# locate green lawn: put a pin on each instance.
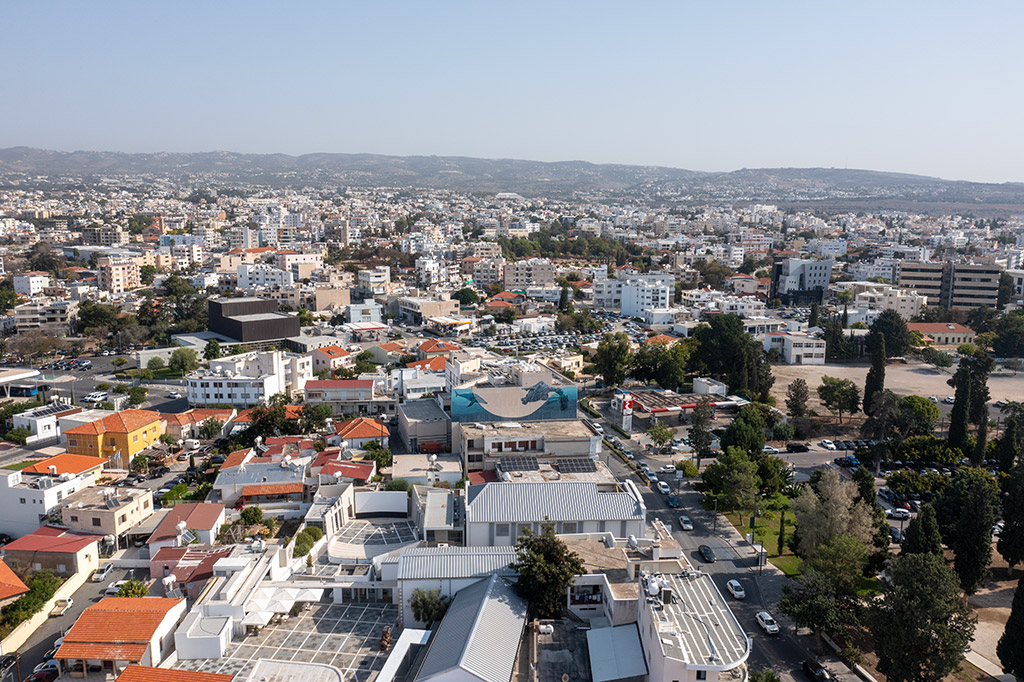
(17, 466)
(788, 564)
(767, 534)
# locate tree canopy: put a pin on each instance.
(546, 567)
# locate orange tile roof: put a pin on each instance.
(116, 628)
(272, 489)
(334, 351)
(66, 464)
(361, 427)
(435, 346)
(290, 412)
(428, 365)
(391, 347)
(52, 539)
(195, 416)
(235, 458)
(499, 304)
(143, 673)
(662, 339)
(10, 584)
(119, 422)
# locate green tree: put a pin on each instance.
(814, 318)
(875, 381)
(700, 429)
(1005, 292)
(733, 479)
(155, 363)
(922, 535)
(827, 509)
(183, 360)
(1009, 447)
(140, 463)
(959, 424)
(563, 300)
(212, 350)
(660, 434)
(839, 395)
(725, 349)
(428, 606)
(966, 512)
(379, 454)
(797, 394)
(133, 589)
(612, 358)
(746, 432)
(251, 516)
(546, 568)
(1009, 330)
(136, 395)
(920, 635)
(916, 416)
(763, 675)
(466, 296)
(1009, 649)
(147, 273)
(1011, 539)
(893, 328)
(314, 417)
(399, 484)
(211, 428)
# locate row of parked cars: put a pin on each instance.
(79, 364)
(848, 444)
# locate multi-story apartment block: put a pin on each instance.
(187, 255)
(376, 282)
(797, 281)
(105, 235)
(118, 275)
(641, 294)
(249, 379)
(417, 309)
(259, 275)
(952, 285)
(529, 272)
(796, 348)
(301, 265)
(907, 303)
(485, 249)
(349, 396)
(31, 283)
(887, 269)
(58, 315)
(489, 270)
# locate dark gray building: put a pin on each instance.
(251, 319)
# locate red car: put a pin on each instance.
(903, 505)
(43, 676)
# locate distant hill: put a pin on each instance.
(825, 187)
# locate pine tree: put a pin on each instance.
(1009, 448)
(1011, 539)
(875, 381)
(922, 536)
(972, 545)
(958, 418)
(813, 318)
(1010, 648)
(980, 441)
(796, 398)
(563, 300)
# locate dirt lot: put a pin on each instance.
(914, 378)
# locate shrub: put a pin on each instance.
(303, 543)
(313, 532)
(251, 516)
(41, 587)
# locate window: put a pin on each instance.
(23, 500)
(702, 674)
(501, 530)
(135, 439)
(112, 442)
(97, 521)
(569, 527)
(74, 519)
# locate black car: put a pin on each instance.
(797, 447)
(5, 538)
(815, 671)
(707, 554)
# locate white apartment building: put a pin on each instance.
(906, 302)
(187, 255)
(29, 499)
(376, 282)
(1018, 285)
(489, 271)
(827, 248)
(249, 378)
(257, 275)
(368, 311)
(887, 269)
(431, 271)
(796, 348)
(486, 249)
(744, 306)
(31, 283)
(641, 293)
(529, 272)
(55, 314)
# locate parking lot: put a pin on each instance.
(346, 636)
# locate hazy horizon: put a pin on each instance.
(917, 88)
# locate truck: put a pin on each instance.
(192, 444)
(61, 606)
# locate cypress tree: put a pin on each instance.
(958, 418)
(1009, 449)
(922, 536)
(875, 381)
(1009, 649)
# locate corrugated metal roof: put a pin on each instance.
(433, 563)
(556, 500)
(480, 633)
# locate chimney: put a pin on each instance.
(52, 469)
(656, 551)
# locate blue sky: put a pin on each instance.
(921, 87)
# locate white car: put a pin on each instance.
(102, 572)
(735, 589)
(933, 399)
(663, 488)
(897, 513)
(174, 395)
(949, 400)
(767, 623)
(685, 523)
(770, 450)
(667, 469)
(828, 445)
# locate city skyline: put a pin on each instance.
(914, 89)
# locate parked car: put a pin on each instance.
(770, 450)
(735, 589)
(51, 665)
(798, 447)
(828, 445)
(897, 513)
(667, 469)
(113, 588)
(707, 554)
(767, 623)
(896, 535)
(61, 606)
(815, 671)
(174, 395)
(685, 523)
(102, 572)
(48, 675)
(663, 488)
(949, 400)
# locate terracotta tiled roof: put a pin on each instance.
(356, 470)
(116, 628)
(392, 347)
(479, 477)
(119, 422)
(361, 427)
(508, 296)
(272, 489)
(662, 339)
(428, 365)
(235, 458)
(52, 539)
(196, 515)
(339, 383)
(499, 304)
(10, 584)
(66, 464)
(290, 412)
(938, 327)
(143, 673)
(334, 351)
(436, 346)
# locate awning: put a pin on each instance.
(260, 618)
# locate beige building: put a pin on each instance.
(118, 275)
(45, 313)
(532, 272)
(110, 511)
(416, 309)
